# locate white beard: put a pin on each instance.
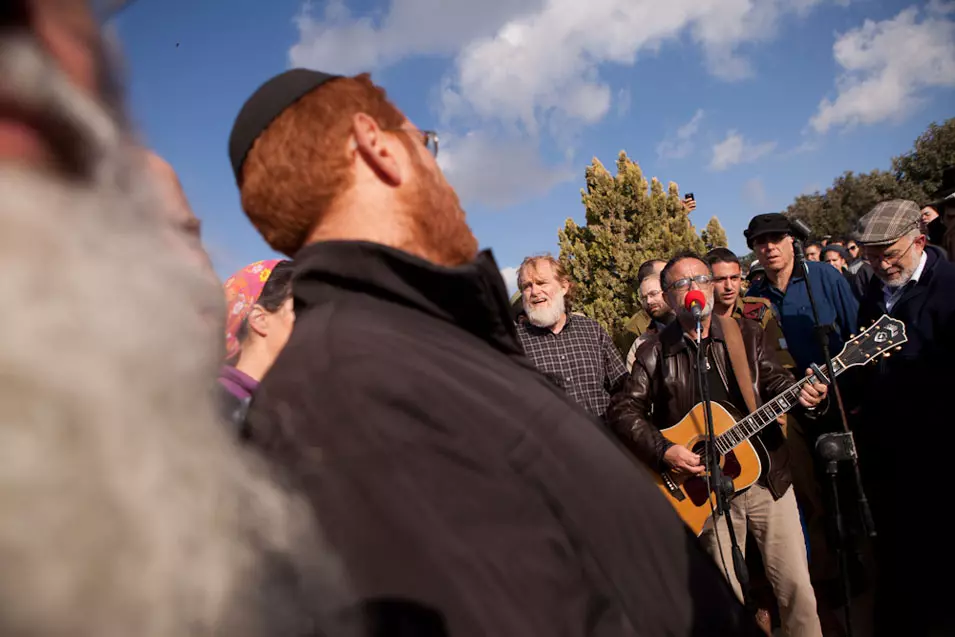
(126, 506)
(547, 315)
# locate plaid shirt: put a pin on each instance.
(581, 359)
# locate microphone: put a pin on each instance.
(800, 229)
(694, 302)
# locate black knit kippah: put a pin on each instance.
(267, 103)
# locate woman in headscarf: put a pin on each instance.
(259, 321)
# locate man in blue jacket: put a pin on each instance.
(906, 409)
(770, 237)
(784, 284)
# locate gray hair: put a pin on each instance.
(126, 507)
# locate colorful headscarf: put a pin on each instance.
(242, 290)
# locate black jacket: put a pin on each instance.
(450, 474)
(914, 384)
(662, 390)
(902, 437)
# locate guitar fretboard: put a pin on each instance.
(768, 413)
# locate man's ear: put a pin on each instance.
(258, 321)
(376, 148)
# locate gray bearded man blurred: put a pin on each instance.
(125, 507)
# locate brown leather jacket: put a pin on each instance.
(662, 390)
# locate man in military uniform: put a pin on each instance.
(727, 300)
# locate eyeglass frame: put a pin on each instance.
(686, 282)
(426, 136)
(894, 261)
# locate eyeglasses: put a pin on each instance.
(428, 137)
(853, 248)
(683, 284)
(890, 259)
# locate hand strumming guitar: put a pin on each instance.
(683, 462)
(812, 394)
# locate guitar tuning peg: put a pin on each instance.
(899, 348)
(852, 335)
(886, 355)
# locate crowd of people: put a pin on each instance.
(367, 439)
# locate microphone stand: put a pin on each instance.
(836, 446)
(718, 482)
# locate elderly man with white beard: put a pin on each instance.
(571, 349)
(126, 508)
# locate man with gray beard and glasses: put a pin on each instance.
(571, 349)
(906, 400)
(126, 508)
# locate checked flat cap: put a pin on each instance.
(887, 222)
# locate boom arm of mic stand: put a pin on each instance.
(822, 335)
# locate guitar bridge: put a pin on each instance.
(673, 488)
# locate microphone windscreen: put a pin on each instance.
(694, 296)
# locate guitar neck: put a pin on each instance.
(752, 424)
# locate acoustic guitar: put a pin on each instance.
(738, 455)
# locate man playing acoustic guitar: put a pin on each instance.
(663, 389)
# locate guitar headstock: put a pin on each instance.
(878, 339)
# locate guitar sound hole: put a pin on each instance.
(695, 487)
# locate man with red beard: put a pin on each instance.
(126, 507)
(571, 349)
(466, 493)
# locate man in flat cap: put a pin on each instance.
(455, 481)
(906, 408)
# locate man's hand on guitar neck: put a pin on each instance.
(683, 462)
(811, 394)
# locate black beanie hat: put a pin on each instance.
(267, 103)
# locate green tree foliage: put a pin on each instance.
(714, 236)
(914, 175)
(850, 196)
(933, 151)
(628, 220)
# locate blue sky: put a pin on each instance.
(745, 103)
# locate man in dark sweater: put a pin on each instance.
(462, 489)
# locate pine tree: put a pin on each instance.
(713, 235)
(628, 221)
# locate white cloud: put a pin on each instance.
(510, 279)
(518, 60)
(888, 65)
(536, 63)
(754, 194)
(340, 42)
(736, 150)
(497, 172)
(681, 145)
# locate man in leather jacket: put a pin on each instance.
(663, 389)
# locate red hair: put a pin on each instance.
(300, 164)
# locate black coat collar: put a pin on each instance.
(472, 296)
